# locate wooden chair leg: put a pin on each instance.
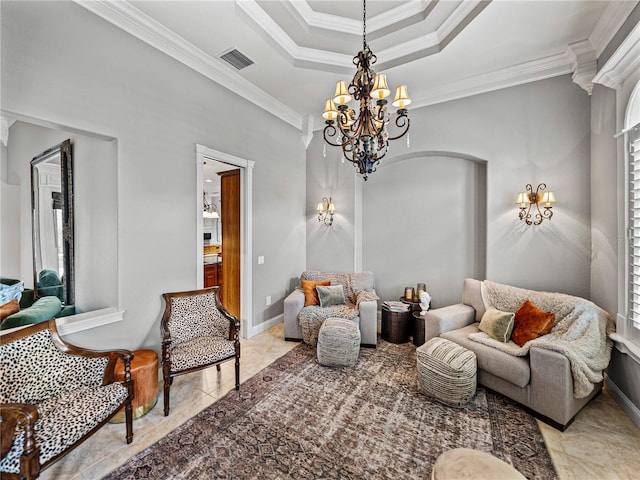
(128, 413)
(237, 373)
(218, 367)
(167, 387)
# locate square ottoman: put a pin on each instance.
(338, 343)
(446, 372)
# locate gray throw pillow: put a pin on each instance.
(497, 324)
(331, 295)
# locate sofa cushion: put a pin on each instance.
(25, 381)
(331, 295)
(531, 323)
(515, 370)
(200, 351)
(497, 324)
(43, 309)
(65, 419)
(310, 292)
(9, 308)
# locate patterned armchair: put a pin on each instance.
(54, 396)
(197, 332)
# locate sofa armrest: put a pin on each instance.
(293, 303)
(368, 311)
(16, 417)
(448, 318)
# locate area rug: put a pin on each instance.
(299, 420)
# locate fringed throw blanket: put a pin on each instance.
(581, 332)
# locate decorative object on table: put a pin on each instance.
(420, 287)
(296, 390)
(394, 306)
(425, 302)
(364, 138)
(446, 372)
(530, 198)
(396, 325)
(338, 343)
(408, 294)
(326, 209)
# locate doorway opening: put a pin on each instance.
(223, 246)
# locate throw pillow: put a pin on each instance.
(497, 324)
(530, 323)
(310, 294)
(332, 295)
(9, 308)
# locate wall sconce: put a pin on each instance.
(209, 210)
(529, 198)
(326, 209)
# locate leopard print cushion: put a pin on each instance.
(200, 351)
(65, 419)
(196, 316)
(33, 369)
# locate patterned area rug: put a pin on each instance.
(298, 420)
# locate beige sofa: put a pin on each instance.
(367, 310)
(541, 380)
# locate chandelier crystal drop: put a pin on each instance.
(364, 138)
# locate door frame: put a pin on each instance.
(246, 221)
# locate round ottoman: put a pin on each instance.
(338, 343)
(464, 463)
(310, 328)
(144, 372)
(446, 372)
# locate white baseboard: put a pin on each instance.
(626, 404)
(264, 326)
(85, 321)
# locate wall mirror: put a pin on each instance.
(52, 223)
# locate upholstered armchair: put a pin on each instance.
(54, 396)
(197, 332)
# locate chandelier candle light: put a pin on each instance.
(364, 138)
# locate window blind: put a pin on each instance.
(634, 226)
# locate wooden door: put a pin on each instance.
(230, 219)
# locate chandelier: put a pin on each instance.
(364, 138)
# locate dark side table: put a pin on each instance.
(418, 329)
(396, 326)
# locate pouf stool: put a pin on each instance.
(310, 328)
(465, 463)
(144, 373)
(338, 343)
(446, 371)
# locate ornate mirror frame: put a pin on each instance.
(55, 229)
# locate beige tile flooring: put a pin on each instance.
(602, 443)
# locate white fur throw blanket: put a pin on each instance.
(581, 332)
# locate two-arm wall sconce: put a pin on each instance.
(326, 209)
(530, 198)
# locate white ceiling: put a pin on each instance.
(442, 50)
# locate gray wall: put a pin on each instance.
(437, 236)
(531, 133)
(76, 70)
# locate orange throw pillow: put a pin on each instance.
(310, 293)
(530, 322)
(9, 308)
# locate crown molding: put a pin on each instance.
(609, 23)
(124, 15)
(335, 23)
(583, 63)
(544, 68)
(623, 61)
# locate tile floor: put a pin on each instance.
(602, 443)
